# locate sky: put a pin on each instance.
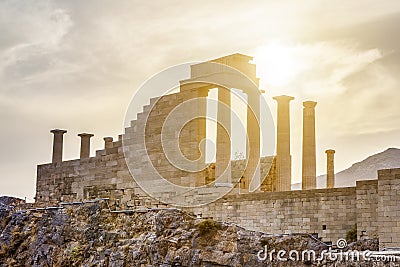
(75, 65)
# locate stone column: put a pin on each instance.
(201, 135)
(283, 157)
(85, 144)
(223, 151)
(330, 168)
(252, 172)
(309, 180)
(57, 145)
(108, 142)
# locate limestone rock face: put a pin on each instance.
(89, 235)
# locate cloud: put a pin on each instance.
(76, 64)
(314, 68)
(39, 41)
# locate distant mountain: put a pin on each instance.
(363, 170)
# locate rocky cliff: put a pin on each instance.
(91, 235)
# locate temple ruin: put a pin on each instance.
(270, 206)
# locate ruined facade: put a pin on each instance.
(273, 208)
(144, 139)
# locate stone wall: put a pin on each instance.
(373, 205)
(143, 140)
(389, 208)
(330, 213)
(367, 204)
(107, 176)
(102, 176)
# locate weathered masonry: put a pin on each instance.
(372, 205)
(273, 208)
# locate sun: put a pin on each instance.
(277, 64)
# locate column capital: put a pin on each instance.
(58, 131)
(108, 139)
(85, 135)
(309, 104)
(283, 98)
(330, 151)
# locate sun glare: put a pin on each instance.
(276, 64)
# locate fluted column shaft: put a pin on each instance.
(309, 179)
(223, 152)
(283, 156)
(252, 171)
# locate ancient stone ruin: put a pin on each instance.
(257, 190)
